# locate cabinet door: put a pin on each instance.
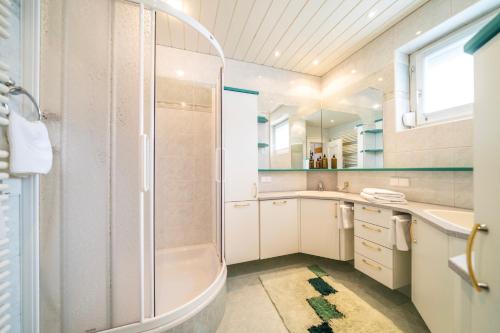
(241, 231)
(240, 143)
(431, 290)
(279, 228)
(319, 233)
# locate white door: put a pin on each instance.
(279, 228)
(319, 233)
(486, 304)
(239, 116)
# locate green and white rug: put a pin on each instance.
(309, 300)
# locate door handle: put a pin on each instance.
(478, 286)
(254, 190)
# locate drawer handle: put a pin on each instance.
(374, 248)
(378, 268)
(371, 209)
(241, 205)
(283, 202)
(371, 229)
(412, 231)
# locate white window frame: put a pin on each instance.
(417, 79)
(274, 127)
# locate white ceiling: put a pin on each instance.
(311, 36)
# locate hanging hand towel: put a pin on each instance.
(30, 148)
(347, 214)
(401, 231)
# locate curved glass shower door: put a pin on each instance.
(187, 192)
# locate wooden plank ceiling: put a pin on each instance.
(306, 36)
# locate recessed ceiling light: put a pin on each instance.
(315, 62)
(183, 104)
(376, 106)
(179, 73)
(177, 4)
(260, 76)
(277, 54)
(418, 32)
(380, 79)
(372, 14)
(331, 120)
(353, 71)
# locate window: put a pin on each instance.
(442, 79)
(281, 135)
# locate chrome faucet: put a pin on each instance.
(321, 187)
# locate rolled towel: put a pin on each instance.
(380, 200)
(378, 192)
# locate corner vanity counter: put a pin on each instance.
(437, 234)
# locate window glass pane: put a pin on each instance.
(281, 135)
(448, 78)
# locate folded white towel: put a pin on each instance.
(30, 148)
(383, 200)
(347, 216)
(401, 231)
(378, 192)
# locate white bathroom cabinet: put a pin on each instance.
(432, 291)
(240, 146)
(319, 232)
(436, 289)
(279, 227)
(241, 231)
(375, 254)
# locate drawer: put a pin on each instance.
(374, 215)
(373, 251)
(374, 270)
(373, 233)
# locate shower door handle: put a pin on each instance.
(220, 159)
(145, 165)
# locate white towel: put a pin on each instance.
(382, 193)
(401, 232)
(30, 148)
(347, 216)
(382, 200)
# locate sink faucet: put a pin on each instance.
(321, 187)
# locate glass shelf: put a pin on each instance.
(373, 131)
(372, 151)
(377, 169)
(262, 145)
(262, 119)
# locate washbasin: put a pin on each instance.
(463, 219)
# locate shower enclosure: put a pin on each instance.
(131, 237)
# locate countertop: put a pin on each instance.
(417, 209)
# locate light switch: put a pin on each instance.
(266, 179)
(404, 182)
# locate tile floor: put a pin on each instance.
(249, 309)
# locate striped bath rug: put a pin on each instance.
(309, 300)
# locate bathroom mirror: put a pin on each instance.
(351, 130)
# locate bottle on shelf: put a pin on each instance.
(334, 162)
(324, 162)
(311, 161)
(319, 163)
